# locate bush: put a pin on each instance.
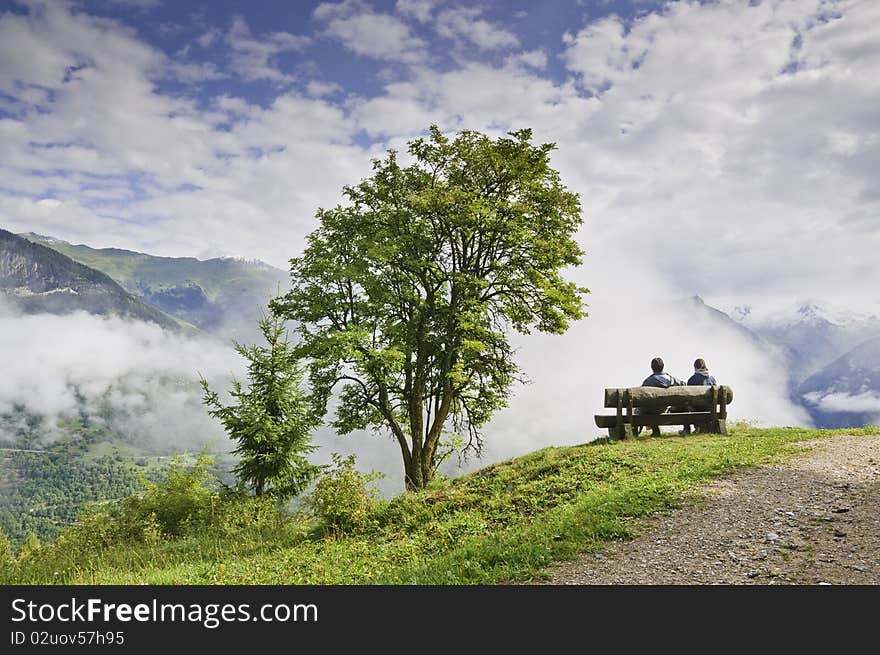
(237, 513)
(168, 509)
(5, 554)
(29, 547)
(341, 501)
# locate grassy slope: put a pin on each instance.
(503, 523)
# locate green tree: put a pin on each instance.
(270, 419)
(407, 294)
(5, 550)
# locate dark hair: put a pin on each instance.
(657, 365)
(699, 363)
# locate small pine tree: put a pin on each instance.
(270, 419)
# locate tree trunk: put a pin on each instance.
(413, 470)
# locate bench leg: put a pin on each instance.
(716, 426)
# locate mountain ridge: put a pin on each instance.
(222, 296)
(38, 279)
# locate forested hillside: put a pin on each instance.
(37, 279)
(222, 296)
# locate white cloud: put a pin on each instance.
(319, 89)
(749, 124)
(254, 57)
(464, 24)
(536, 59)
(868, 401)
(421, 10)
(598, 52)
(395, 117)
(368, 33)
(143, 373)
(183, 185)
(712, 127)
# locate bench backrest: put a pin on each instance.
(697, 398)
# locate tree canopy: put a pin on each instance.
(405, 296)
(271, 419)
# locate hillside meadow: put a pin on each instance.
(504, 523)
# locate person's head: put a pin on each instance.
(657, 365)
(699, 364)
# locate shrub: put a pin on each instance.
(168, 509)
(29, 547)
(238, 512)
(341, 500)
(5, 553)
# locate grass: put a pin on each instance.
(502, 524)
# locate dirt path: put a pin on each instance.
(812, 520)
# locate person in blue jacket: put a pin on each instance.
(659, 379)
(700, 378)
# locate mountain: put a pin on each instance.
(815, 333)
(696, 306)
(846, 392)
(222, 296)
(38, 279)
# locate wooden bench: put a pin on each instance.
(706, 405)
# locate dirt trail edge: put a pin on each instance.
(812, 520)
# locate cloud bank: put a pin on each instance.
(731, 143)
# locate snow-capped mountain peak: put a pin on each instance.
(803, 313)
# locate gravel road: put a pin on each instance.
(813, 520)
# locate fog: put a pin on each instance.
(148, 376)
(838, 401)
(141, 376)
(633, 317)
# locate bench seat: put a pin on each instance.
(642, 420)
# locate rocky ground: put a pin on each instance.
(813, 520)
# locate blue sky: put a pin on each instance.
(725, 148)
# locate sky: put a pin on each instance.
(728, 149)
(734, 145)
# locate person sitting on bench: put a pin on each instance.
(658, 379)
(700, 378)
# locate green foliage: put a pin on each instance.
(184, 507)
(341, 500)
(5, 550)
(30, 546)
(271, 420)
(47, 489)
(504, 523)
(407, 294)
(181, 500)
